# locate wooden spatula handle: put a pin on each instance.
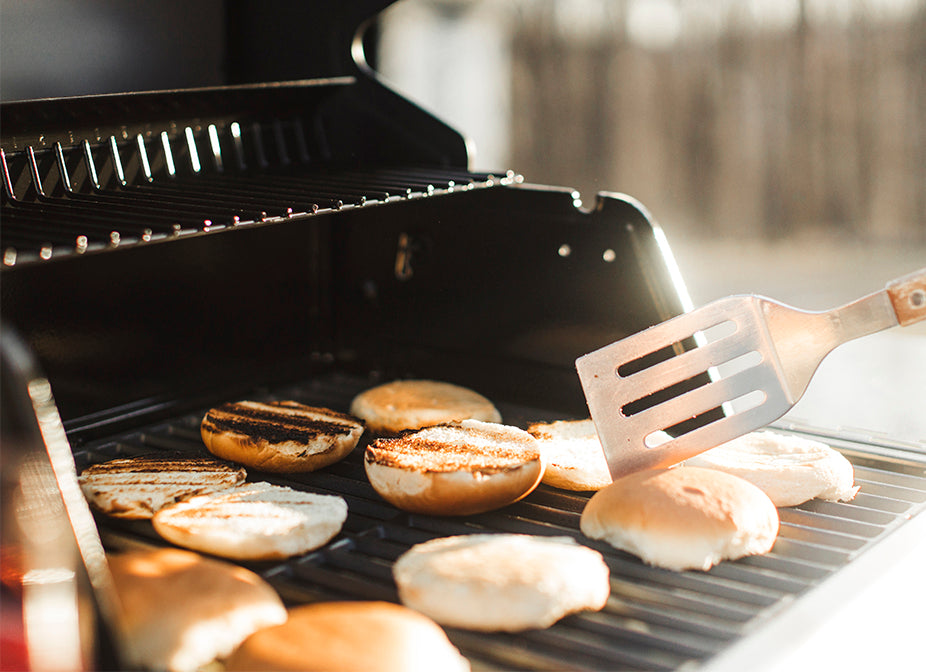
(908, 296)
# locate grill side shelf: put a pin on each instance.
(655, 619)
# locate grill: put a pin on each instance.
(166, 251)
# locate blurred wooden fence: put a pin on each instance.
(753, 132)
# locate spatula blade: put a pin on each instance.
(657, 379)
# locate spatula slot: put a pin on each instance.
(680, 343)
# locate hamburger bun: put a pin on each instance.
(501, 582)
(682, 517)
(790, 469)
(279, 436)
(403, 405)
(137, 487)
(573, 454)
(349, 637)
(455, 470)
(254, 521)
(181, 611)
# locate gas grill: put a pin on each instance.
(167, 251)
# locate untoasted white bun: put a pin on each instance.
(136, 487)
(682, 517)
(401, 405)
(182, 611)
(790, 469)
(254, 521)
(455, 470)
(349, 636)
(501, 582)
(279, 436)
(572, 453)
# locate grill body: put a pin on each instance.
(166, 251)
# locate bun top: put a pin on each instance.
(412, 404)
(278, 421)
(471, 445)
(355, 636)
(181, 610)
(683, 502)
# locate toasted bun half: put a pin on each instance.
(279, 436)
(683, 517)
(137, 487)
(182, 611)
(455, 470)
(790, 469)
(254, 521)
(349, 637)
(402, 405)
(573, 454)
(501, 582)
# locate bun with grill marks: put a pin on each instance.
(279, 436)
(137, 487)
(455, 470)
(253, 521)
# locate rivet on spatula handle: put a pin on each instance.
(908, 296)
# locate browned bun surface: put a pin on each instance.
(279, 436)
(138, 487)
(181, 611)
(460, 469)
(349, 637)
(401, 405)
(682, 517)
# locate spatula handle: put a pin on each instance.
(908, 296)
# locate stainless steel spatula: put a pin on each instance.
(753, 361)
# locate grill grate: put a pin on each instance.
(65, 200)
(655, 619)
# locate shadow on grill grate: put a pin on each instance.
(654, 619)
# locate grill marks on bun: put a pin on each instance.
(403, 405)
(460, 469)
(137, 487)
(682, 517)
(279, 436)
(255, 521)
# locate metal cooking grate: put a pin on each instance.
(64, 200)
(655, 618)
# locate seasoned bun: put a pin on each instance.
(402, 405)
(682, 517)
(573, 454)
(137, 487)
(349, 637)
(790, 469)
(254, 521)
(279, 436)
(455, 470)
(182, 611)
(501, 582)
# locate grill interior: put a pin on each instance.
(655, 619)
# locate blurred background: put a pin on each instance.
(781, 144)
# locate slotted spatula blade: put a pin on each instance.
(721, 371)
